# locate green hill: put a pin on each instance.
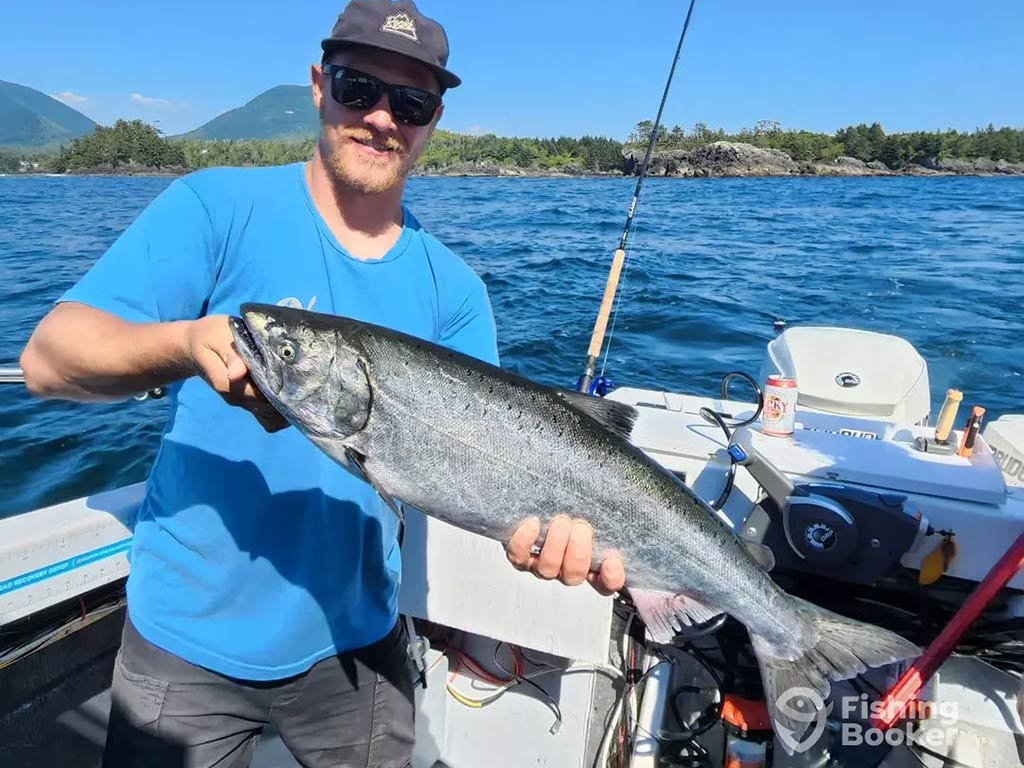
(283, 113)
(31, 120)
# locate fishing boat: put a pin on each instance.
(866, 504)
(851, 507)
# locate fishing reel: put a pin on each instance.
(843, 532)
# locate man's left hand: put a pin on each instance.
(567, 554)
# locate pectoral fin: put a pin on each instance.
(357, 463)
(665, 614)
(761, 554)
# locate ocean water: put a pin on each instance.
(713, 262)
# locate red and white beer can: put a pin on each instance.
(779, 414)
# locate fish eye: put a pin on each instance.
(286, 351)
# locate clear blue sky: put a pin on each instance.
(553, 67)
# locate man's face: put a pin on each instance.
(369, 150)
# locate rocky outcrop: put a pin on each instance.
(671, 162)
(487, 168)
(913, 169)
(720, 158)
(726, 158)
(845, 166)
(980, 167)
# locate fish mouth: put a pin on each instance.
(263, 368)
(246, 343)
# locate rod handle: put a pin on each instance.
(948, 414)
(601, 324)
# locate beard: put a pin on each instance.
(351, 167)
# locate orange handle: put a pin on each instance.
(971, 432)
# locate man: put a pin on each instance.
(264, 577)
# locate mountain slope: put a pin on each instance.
(31, 119)
(285, 112)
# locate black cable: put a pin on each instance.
(627, 672)
(717, 418)
(522, 679)
(541, 664)
(913, 746)
(730, 480)
(550, 699)
(711, 714)
(760, 396)
(700, 759)
(698, 631)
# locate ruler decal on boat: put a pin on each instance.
(70, 564)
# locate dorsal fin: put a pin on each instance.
(616, 417)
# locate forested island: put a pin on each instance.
(135, 147)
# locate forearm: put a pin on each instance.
(82, 353)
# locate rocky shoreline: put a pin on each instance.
(716, 160)
(487, 168)
(725, 159)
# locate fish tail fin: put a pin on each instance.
(796, 684)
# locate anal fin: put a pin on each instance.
(665, 614)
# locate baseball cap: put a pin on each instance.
(397, 26)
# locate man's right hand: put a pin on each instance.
(212, 351)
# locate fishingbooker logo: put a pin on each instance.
(928, 724)
(804, 706)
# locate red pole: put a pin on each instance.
(909, 686)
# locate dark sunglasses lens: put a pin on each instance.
(354, 89)
(413, 105)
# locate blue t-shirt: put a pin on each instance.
(255, 555)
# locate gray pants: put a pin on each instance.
(354, 709)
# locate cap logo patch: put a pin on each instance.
(400, 24)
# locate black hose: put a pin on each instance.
(709, 717)
(698, 631)
(717, 418)
(760, 395)
(714, 417)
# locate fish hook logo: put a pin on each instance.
(808, 708)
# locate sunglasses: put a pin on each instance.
(358, 90)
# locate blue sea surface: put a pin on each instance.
(713, 262)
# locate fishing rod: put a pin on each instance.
(12, 374)
(619, 257)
